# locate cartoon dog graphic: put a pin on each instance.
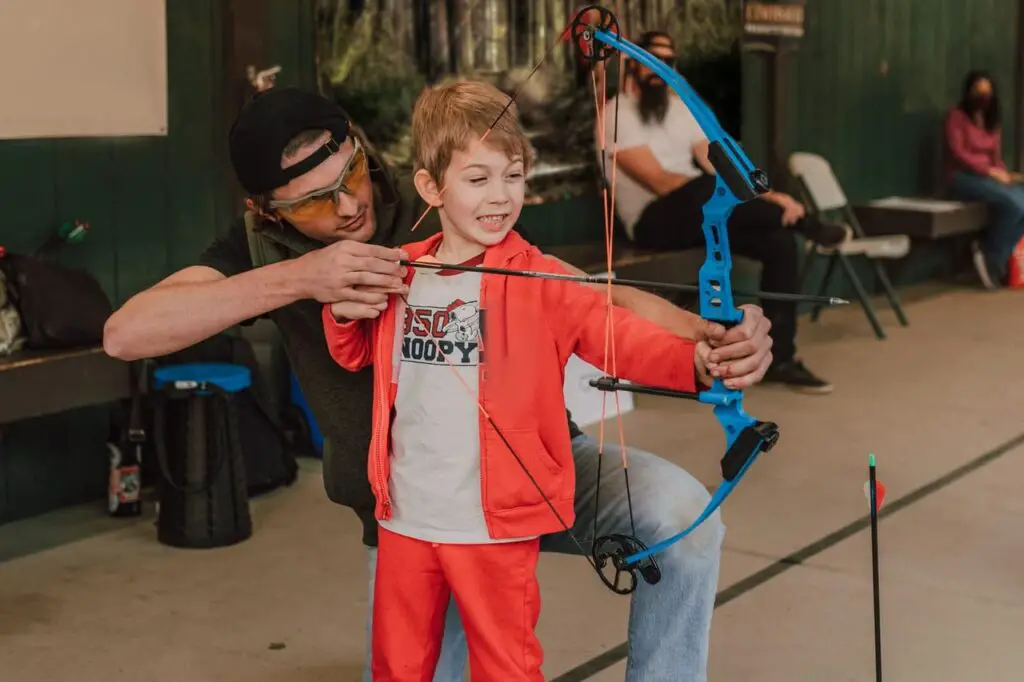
(465, 321)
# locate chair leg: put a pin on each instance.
(890, 292)
(862, 295)
(816, 311)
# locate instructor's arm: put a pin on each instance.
(199, 301)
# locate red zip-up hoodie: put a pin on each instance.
(530, 328)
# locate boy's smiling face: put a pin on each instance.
(483, 192)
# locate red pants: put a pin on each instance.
(495, 587)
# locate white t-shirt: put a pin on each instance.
(671, 142)
(435, 433)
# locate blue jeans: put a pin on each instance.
(669, 623)
(1006, 210)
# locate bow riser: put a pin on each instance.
(715, 276)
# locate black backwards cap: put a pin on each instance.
(268, 123)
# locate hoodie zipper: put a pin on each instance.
(380, 431)
(482, 420)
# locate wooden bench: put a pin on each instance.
(36, 383)
(949, 225)
(921, 218)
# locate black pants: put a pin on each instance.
(755, 231)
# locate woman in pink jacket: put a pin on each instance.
(975, 171)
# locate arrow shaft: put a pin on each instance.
(873, 483)
(603, 279)
(613, 384)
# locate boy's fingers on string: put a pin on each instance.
(348, 310)
(372, 264)
(363, 279)
(384, 291)
(361, 295)
(374, 251)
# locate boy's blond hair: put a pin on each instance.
(452, 116)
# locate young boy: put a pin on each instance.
(457, 512)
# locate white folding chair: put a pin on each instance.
(822, 192)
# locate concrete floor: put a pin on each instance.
(938, 402)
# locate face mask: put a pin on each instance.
(981, 101)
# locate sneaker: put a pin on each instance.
(981, 266)
(795, 375)
(826, 233)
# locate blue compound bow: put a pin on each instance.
(737, 181)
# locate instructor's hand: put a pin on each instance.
(739, 356)
(346, 311)
(354, 273)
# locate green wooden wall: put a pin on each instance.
(868, 89)
(153, 204)
(873, 79)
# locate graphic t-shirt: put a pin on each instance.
(435, 434)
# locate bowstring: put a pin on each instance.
(610, 355)
(600, 129)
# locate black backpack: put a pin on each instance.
(269, 461)
(60, 307)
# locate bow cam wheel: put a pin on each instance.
(587, 21)
(621, 578)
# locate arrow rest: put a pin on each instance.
(615, 548)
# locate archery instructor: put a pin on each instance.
(324, 217)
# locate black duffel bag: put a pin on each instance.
(60, 307)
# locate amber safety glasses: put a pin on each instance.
(323, 202)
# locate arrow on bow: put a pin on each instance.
(737, 181)
(604, 279)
